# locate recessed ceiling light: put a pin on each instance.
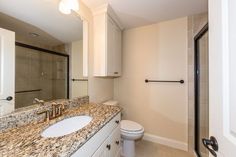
(33, 34)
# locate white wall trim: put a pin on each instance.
(166, 141)
(106, 8)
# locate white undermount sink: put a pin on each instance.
(66, 126)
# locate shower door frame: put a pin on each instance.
(196, 87)
(54, 53)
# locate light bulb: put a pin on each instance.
(65, 6)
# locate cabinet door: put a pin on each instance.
(117, 51)
(115, 143)
(110, 47)
(111, 146)
(102, 150)
(113, 48)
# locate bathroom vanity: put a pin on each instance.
(105, 142)
(99, 138)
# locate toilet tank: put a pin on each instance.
(111, 102)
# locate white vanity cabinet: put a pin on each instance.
(111, 146)
(105, 143)
(107, 46)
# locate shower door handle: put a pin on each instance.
(211, 144)
(9, 98)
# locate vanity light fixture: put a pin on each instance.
(66, 6)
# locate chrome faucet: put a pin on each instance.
(36, 100)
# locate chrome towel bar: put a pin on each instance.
(79, 79)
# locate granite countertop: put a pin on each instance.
(26, 141)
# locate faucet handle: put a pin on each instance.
(62, 106)
(54, 109)
(36, 100)
(54, 103)
(47, 114)
(57, 109)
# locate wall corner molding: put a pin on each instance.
(107, 9)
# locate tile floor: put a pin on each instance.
(149, 149)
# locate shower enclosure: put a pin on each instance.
(201, 91)
(41, 74)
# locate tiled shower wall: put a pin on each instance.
(37, 70)
(195, 24)
(29, 66)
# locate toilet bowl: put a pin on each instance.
(130, 131)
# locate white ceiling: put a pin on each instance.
(133, 13)
(44, 14)
(23, 30)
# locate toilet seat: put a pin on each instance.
(132, 132)
(128, 126)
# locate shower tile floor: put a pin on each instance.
(149, 149)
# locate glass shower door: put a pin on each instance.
(27, 82)
(41, 74)
(201, 92)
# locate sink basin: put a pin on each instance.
(66, 126)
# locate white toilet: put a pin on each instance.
(130, 131)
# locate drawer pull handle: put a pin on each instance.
(117, 142)
(108, 146)
(117, 121)
(116, 73)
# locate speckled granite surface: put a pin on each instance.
(25, 141)
(28, 115)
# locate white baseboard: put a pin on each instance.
(166, 141)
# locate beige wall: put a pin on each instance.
(156, 51)
(79, 88)
(99, 89)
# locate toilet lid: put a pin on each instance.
(131, 126)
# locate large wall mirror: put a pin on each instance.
(50, 53)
